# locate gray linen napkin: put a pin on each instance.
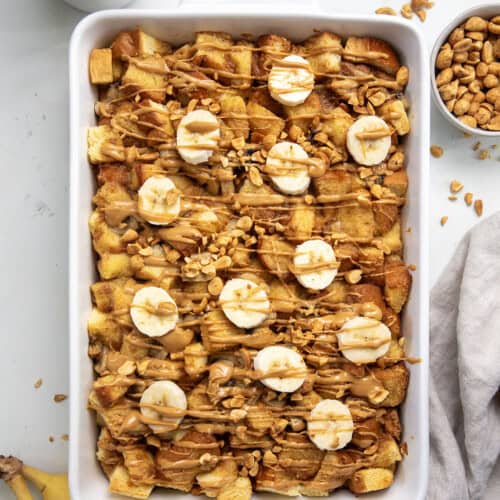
(465, 368)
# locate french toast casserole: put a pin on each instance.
(245, 330)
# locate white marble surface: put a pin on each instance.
(34, 38)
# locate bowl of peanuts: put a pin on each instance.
(466, 71)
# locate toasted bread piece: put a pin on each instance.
(111, 295)
(383, 58)
(234, 110)
(276, 255)
(323, 51)
(385, 215)
(190, 446)
(301, 459)
(103, 328)
(111, 388)
(397, 182)
(121, 483)
(357, 221)
(302, 115)
(373, 479)
(124, 45)
(392, 424)
(104, 145)
(276, 480)
(113, 172)
(364, 293)
(397, 284)
(301, 223)
(263, 121)
(139, 463)
(149, 45)
(273, 47)
(214, 328)
(337, 125)
(224, 474)
(395, 380)
(162, 369)
(212, 51)
(107, 454)
(114, 265)
(101, 66)
(146, 74)
(334, 181)
(388, 452)
(283, 297)
(239, 489)
(336, 293)
(392, 240)
(241, 56)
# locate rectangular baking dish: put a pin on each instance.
(177, 26)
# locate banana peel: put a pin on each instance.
(11, 473)
(51, 486)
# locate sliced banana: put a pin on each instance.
(369, 140)
(330, 425)
(363, 340)
(288, 365)
(287, 166)
(153, 311)
(244, 303)
(163, 393)
(159, 201)
(291, 80)
(197, 136)
(315, 264)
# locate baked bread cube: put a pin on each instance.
(101, 66)
(325, 49)
(146, 75)
(372, 479)
(121, 483)
(104, 145)
(383, 55)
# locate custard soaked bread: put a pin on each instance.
(246, 325)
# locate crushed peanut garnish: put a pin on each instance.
(478, 207)
(484, 154)
(60, 397)
(388, 11)
(38, 383)
(452, 198)
(456, 186)
(443, 220)
(436, 151)
(468, 199)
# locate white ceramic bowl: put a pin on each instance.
(486, 10)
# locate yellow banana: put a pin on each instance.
(10, 472)
(52, 486)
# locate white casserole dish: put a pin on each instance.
(87, 481)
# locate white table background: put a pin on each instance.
(34, 37)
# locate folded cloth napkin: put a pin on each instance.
(465, 368)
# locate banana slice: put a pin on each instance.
(153, 311)
(197, 136)
(163, 393)
(369, 140)
(330, 425)
(314, 264)
(363, 340)
(287, 165)
(288, 365)
(291, 80)
(159, 201)
(244, 303)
